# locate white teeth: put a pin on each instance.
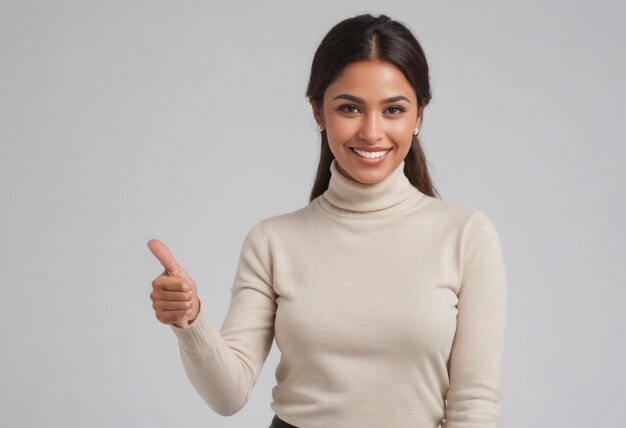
(370, 155)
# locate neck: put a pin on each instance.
(345, 195)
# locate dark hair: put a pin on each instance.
(369, 38)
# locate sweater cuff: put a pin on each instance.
(199, 335)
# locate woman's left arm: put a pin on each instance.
(475, 393)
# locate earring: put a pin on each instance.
(416, 131)
(321, 127)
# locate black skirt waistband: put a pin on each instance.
(279, 423)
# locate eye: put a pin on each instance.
(400, 109)
(345, 106)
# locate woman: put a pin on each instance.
(386, 302)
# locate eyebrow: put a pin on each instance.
(362, 101)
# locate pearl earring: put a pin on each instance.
(416, 131)
(321, 127)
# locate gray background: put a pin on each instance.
(187, 122)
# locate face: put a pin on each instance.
(370, 107)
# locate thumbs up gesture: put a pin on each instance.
(174, 295)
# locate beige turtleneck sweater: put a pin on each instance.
(384, 303)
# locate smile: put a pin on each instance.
(370, 155)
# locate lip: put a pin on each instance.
(371, 149)
(370, 162)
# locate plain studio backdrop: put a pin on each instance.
(187, 121)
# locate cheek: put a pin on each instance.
(342, 126)
(403, 132)
(401, 128)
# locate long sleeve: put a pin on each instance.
(223, 365)
(475, 367)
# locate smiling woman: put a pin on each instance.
(378, 65)
(375, 131)
(386, 302)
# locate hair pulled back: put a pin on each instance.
(371, 38)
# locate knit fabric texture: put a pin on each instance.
(387, 306)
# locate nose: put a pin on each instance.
(371, 128)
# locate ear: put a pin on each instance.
(420, 115)
(317, 114)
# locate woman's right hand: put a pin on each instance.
(174, 294)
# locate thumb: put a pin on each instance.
(163, 254)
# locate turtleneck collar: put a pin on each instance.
(348, 196)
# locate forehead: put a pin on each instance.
(371, 80)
